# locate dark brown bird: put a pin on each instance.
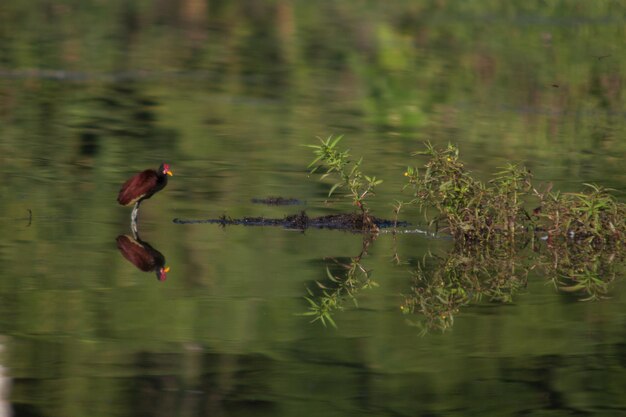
(143, 256)
(143, 186)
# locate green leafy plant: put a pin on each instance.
(470, 210)
(576, 238)
(592, 216)
(358, 186)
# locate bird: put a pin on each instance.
(142, 255)
(142, 186)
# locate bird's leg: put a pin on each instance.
(135, 213)
(133, 218)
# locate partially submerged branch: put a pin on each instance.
(352, 222)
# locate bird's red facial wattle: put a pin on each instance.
(166, 170)
(163, 273)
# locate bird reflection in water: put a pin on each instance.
(142, 255)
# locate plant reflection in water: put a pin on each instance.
(330, 295)
(469, 274)
(442, 285)
(588, 270)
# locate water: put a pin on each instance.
(227, 93)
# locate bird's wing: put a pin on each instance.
(137, 187)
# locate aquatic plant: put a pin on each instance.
(473, 211)
(359, 187)
(592, 216)
(468, 209)
(476, 212)
(576, 238)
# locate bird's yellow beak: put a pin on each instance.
(166, 269)
(170, 173)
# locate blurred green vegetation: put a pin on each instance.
(227, 91)
(540, 81)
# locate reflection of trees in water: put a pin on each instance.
(199, 383)
(120, 110)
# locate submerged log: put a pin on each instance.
(301, 221)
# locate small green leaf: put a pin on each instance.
(334, 187)
(330, 320)
(336, 141)
(315, 161)
(322, 286)
(313, 303)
